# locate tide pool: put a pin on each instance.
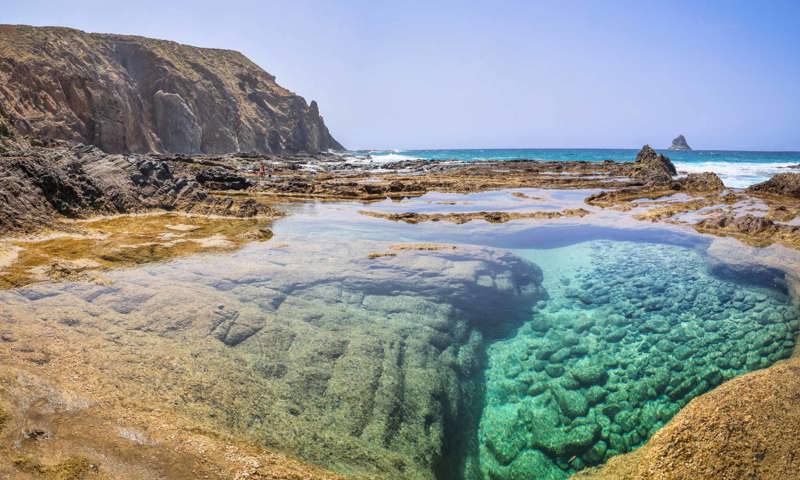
(629, 334)
(435, 351)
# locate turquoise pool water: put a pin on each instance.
(634, 325)
(525, 350)
(629, 334)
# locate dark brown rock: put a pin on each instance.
(41, 184)
(217, 178)
(786, 184)
(702, 182)
(745, 224)
(134, 94)
(652, 167)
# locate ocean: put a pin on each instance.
(738, 169)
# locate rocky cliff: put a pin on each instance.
(135, 94)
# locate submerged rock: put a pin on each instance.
(670, 332)
(369, 366)
(679, 144)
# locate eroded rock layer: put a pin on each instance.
(41, 185)
(135, 94)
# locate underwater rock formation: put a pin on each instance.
(366, 366)
(135, 94)
(609, 359)
(679, 144)
(756, 412)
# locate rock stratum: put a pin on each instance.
(134, 94)
(40, 186)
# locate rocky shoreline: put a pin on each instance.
(47, 188)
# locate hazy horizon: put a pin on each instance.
(518, 75)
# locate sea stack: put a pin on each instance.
(679, 144)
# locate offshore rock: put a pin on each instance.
(786, 184)
(679, 144)
(135, 94)
(652, 167)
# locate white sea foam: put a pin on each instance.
(378, 158)
(393, 157)
(735, 174)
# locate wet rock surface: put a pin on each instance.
(702, 182)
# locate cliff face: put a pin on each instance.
(135, 94)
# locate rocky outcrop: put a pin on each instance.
(786, 184)
(217, 178)
(702, 182)
(679, 144)
(135, 94)
(652, 167)
(746, 224)
(41, 184)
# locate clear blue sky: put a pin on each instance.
(500, 74)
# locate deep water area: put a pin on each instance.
(629, 334)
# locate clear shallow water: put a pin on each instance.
(736, 168)
(629, 334)
(450, 364)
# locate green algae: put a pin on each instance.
(631, 332)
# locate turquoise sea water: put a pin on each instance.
(737, 168)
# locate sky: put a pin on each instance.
(502, 74)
